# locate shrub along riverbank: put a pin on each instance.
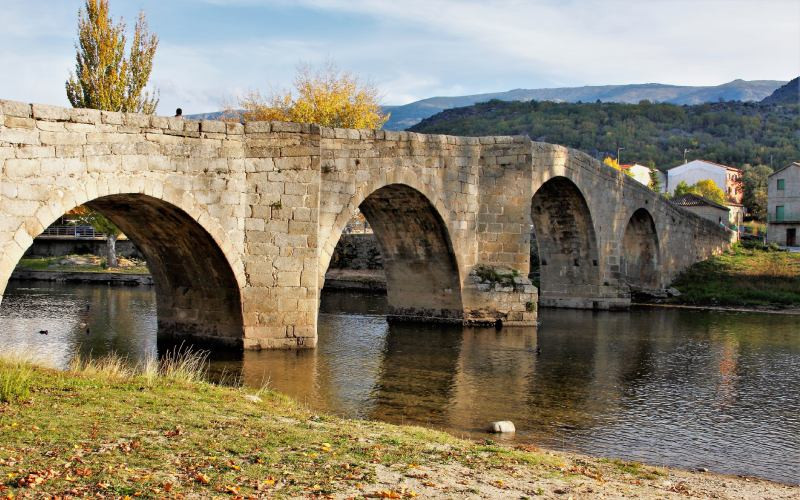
(757, 277)
(81, 263)
(102, 429)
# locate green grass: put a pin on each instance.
(15, 380)
(52, 264)
(744, 277)
(106, 428)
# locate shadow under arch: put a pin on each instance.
(197, 293)
(640, 254)
(567, 245)
(422, 274)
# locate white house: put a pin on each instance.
(727, 178)
(639, 172)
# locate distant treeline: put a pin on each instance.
(732, 133)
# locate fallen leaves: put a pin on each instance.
(402, 493)
(34, 479)
(177, 431)
(202, 478)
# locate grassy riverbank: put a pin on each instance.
(81, 263)
(743, 277)
(100, 429)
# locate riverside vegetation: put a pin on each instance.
(82, 263)
(746, 276)
(103, 428)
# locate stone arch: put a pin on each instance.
(567, 244)
(640, 251)
(197, 281)
(401, 176)
(423, 281)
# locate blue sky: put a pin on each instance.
(212, 51)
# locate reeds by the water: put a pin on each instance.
(181, 364)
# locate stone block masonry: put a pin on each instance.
(239, 222)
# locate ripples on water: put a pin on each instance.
(673, 387)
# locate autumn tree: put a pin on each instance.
(104, 77)
(325, 96)
(613, 163)
(705, 188)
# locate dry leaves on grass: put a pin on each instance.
(402, 493)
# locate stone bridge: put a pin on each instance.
(239, 222)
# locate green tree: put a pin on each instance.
(102, 224)
(681, 189)
(754, 180)
(655, 181)
(104, 78)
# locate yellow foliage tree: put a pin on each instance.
(705, 188)
(104, 78)
(709, 190)
(326, 96)
(613, 163)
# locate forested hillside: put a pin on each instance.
(733, 133)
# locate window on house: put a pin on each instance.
(779, 212)
(781, 184)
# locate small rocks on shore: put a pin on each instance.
(502, 426)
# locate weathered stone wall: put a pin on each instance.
(239, 223)
(357, 251)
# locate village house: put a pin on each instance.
(783, 201)
(719, 214)
(727, 178)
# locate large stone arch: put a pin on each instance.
(423, 280)
(567, 245)
(197, 275)
(640, 256)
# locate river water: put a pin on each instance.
(673, 387)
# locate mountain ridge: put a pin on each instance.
(407, 115)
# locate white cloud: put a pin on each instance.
(420, 48)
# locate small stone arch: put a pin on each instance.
(640, 251)
(423, 280)
(197, 275)
(564, 233)
(401, 177)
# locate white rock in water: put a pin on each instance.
(252, 397)
(503, 426)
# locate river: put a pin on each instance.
(682, 388)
